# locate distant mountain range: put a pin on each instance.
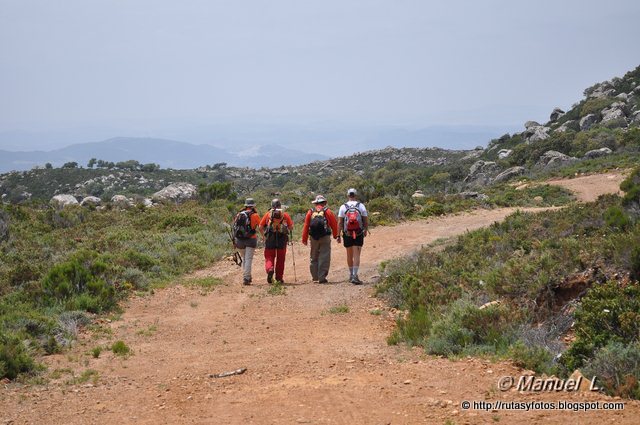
(166, 153)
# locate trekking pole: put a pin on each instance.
(237, 258)
(293, 257)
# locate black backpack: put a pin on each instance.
(242, 225)
(318, 226)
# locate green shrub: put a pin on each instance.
(463, 326)
(617, 367)
(631, 187)
(74, 284)
(14, 357)
(119, 348)
(412, 330)
(339, 309)
(534, 358)
(96, 351)
(179, 221)
(617, 218)
(608, 313)
(139, 260)
(594, 106)
(635, 263)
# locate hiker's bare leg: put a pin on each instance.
(350, 257)
(356, 256)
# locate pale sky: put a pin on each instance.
(170, 64)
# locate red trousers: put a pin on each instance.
(277, 255)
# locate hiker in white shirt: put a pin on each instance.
(353, 222)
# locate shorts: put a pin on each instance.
(348, 241)
(246, 243)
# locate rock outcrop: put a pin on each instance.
(556, 114)
(62, 201)
(481, 172)
(121, 202)
(588, 121)
(510, 173)
(176, 193)
(504, 153)
(91, 201)
(596, 153)
(553, 159)
(535, 133)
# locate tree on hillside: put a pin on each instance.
(91, 163)
(105, 164)
(216, 190)
(150, 167)
(72, 164)
(131, 164)
(48, 166)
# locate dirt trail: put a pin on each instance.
(305, 364)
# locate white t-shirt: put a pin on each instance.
(343, 210)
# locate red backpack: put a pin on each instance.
(353, 220)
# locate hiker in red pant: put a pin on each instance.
(275, 227)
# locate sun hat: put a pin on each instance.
(319, 199)
(249, 202)
(351, 191)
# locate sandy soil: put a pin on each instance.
(304, 363)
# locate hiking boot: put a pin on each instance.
(323, 281)
(246, 281)
(356, 280)
(270, 277)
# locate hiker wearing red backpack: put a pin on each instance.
(354, 224)
(275, 227)
(245, 225)
(320, 223)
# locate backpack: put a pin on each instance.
(242, 225)
(276, 224)
(352, 220)
(318, 226)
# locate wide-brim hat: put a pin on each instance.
(319, 199)
(352, 191)
(249, 202)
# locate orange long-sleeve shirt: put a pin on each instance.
(331, 221)
(286, 218)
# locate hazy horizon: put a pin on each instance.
(222, 73)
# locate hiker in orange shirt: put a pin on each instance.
(275, 227)
(245, 226)
(320, 223)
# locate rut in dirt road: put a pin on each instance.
(314, 355)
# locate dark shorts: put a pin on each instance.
(246, 243)
(348, 241)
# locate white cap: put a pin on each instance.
(351, 191)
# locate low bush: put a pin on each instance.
(465, 328)
(120, 348)
(609, 313)
(15, 358)
(617, 367)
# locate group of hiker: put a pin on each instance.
(320, 226)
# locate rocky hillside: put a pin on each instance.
(604, 124)
(42, 184)
(606, 121)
